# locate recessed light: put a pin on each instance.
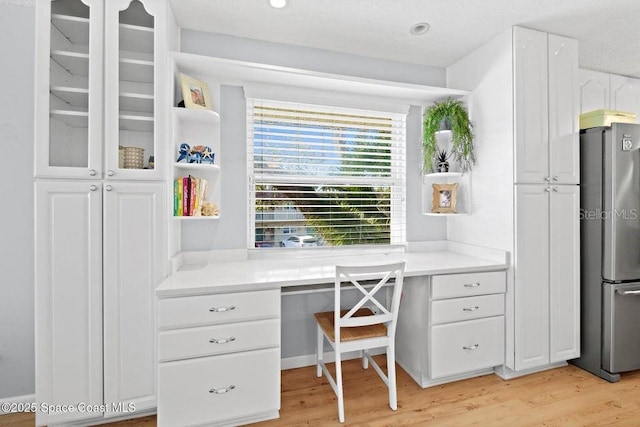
(419, 28)
(278, 4)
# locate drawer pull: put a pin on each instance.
(472, 285)
(475, 308)
(222, 309)
(222, 341)
(222, 390)
(473, 347)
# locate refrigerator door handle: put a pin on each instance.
(628, 292)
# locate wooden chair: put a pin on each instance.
(360, 328)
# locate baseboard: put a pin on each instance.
(310, 359)
(27, 398)
(508, 374)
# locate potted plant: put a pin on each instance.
(442, 165)
(448, 113)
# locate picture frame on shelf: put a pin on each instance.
(444, 198)
(195, 93)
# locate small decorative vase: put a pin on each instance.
(443, 167)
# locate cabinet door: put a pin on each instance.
(564, 252)
(531, 106)
(133, 253)
(531, 287)
(625, 94)
(68, 92)
(133, 86)
(68, 305)
(564, 126)
(594, 90)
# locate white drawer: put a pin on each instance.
(462, 347)
(219, 339)
(219, 308)
(456, 309)
(186, 388)
(468, 284)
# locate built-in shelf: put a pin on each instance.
(443, 175)
(196, 116)
(76, 97)
(76, 63)
(73, 28)
(138, 102)
(78, 119)
(136, 70)
(444, 214)
(136, 122)
(197, 218)
(197, 167)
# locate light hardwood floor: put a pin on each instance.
(560, 397)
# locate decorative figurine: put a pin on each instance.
(208, 155)
(197, 154)
(184, 152)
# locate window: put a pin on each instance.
(327, 176)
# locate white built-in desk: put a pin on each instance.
(219, 325)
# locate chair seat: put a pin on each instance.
(326, 320)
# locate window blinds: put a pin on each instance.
(333, 174)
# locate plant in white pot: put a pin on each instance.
(448, 113)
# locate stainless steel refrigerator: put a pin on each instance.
(610, 250)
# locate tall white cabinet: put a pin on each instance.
(100, 210)
(526, 94)
(547, 169)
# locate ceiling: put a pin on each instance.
(608, 31)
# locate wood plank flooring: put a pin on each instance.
(565, 396)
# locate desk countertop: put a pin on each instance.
(258, 274)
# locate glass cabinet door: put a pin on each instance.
(69, 88)
(131, 148)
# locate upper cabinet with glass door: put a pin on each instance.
(132, 88)
(69, 78)
(98, 85)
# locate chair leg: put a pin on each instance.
(391, 375)
(319, 352)
(365, 361)
(339, 386)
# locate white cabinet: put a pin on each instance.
(547, 303)
(546, 108)
(133, 257)
(451, 326)
(99, 86)
(601, 91)
(68, 287)
(219, 358)
(594, 90)
(564, 280)
(624, 94)
(98, 260)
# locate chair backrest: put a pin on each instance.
(354, 275)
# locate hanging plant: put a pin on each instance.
(448, 113)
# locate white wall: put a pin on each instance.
(17, 21)
(230, 232)
(487, 73)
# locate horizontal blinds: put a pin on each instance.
(336, 175)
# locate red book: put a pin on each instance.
(185, 196)
(192, 195)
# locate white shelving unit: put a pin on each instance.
(196, 127)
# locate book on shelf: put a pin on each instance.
(189, 194)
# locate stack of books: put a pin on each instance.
(189, 193)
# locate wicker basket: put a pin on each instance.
(133, 158)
